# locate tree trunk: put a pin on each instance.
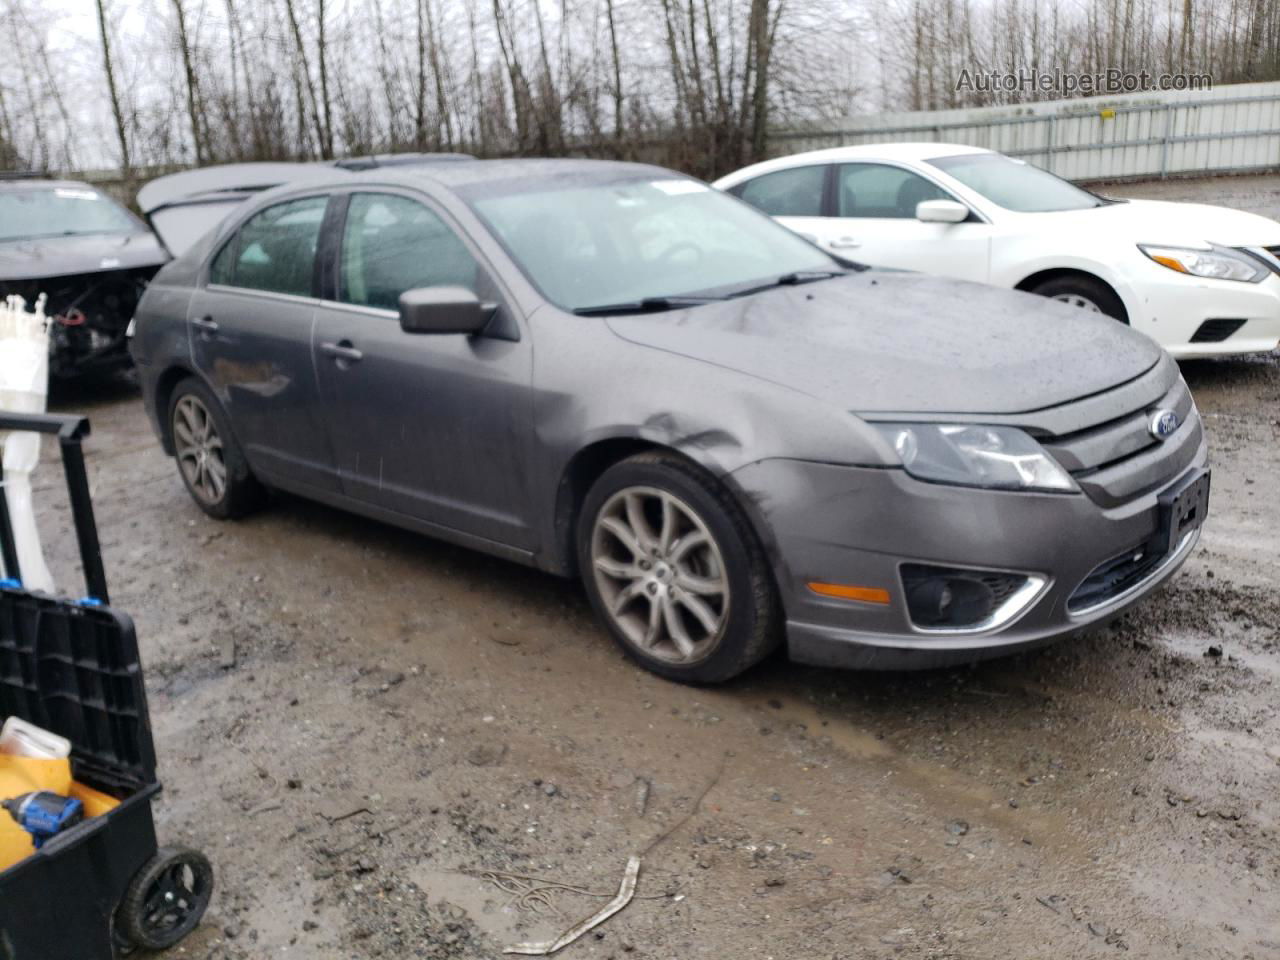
(117, 112)
(323, 59)
(194, 106)
(302, 74)
(617, 71)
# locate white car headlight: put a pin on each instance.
(1002, 458)
(1218, 263)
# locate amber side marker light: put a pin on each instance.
(843, 591)
(1169, 262)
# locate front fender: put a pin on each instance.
(591, 387)
(1014, 261)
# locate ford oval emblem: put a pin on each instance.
(1163, 424)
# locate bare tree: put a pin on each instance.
(113, 91)
(195, 106)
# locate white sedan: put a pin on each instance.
(1201, 280)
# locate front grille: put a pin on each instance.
(1114, 577)
(1119, 459)
(1215, 331)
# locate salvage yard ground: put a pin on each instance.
(358, 724)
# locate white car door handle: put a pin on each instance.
(844, 243)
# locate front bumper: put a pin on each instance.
(853, 525)
(1171, 308)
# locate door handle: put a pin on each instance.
(206, 325)
(844, 243)
(342, 351)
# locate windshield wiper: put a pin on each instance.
(49, 236)
(644, 305)
(791, 280)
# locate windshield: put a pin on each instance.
(1016, 184)
(60, 211)
(629, 241)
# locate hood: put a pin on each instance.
(183, 207)
(907, 343)
(1174, 224)
(84, 253)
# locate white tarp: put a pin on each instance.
(24, 384)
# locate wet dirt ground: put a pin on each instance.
(391, 747)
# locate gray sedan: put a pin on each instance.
(733, 438)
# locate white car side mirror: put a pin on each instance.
(941, 211)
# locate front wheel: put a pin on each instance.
(674, 570)
(1084, 292)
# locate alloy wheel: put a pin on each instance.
(199, 449)
(660, 574)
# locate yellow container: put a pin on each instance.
(22, 775)
(95, 802)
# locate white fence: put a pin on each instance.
(1230, 129)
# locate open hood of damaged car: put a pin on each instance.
(66, 256)
(881, 341)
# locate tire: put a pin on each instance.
(212, 465)
(694, 601)
(166, 898)
(1084, 291)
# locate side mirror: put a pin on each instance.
(443, 310)
(941, 211)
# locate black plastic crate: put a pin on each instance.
(72, 667)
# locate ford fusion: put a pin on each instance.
(735, 439)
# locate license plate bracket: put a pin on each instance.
(1182, 510)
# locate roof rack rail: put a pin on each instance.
(21, 175)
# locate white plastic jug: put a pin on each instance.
(18, 738)
(24, 385)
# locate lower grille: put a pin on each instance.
(1215, 331)
(1115, 577)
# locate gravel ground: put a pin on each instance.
(361, 727)
(1253, 193)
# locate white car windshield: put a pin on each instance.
(634, 240)
(1015, 184)
(27, 214)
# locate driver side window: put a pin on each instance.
(391, 244)
(881, 191)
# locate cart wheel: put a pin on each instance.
(166, 898)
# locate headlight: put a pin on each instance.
(1003, 458)
(1219, 263)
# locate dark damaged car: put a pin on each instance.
(88, 255)
(735, 439)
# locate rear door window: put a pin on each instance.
(786, 193)
(392, 244)
(275, 250)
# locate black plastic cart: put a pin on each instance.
(102, 888)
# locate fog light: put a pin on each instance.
(950, 598)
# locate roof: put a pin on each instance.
(573, 172)
(867, 151)
(39, 183)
